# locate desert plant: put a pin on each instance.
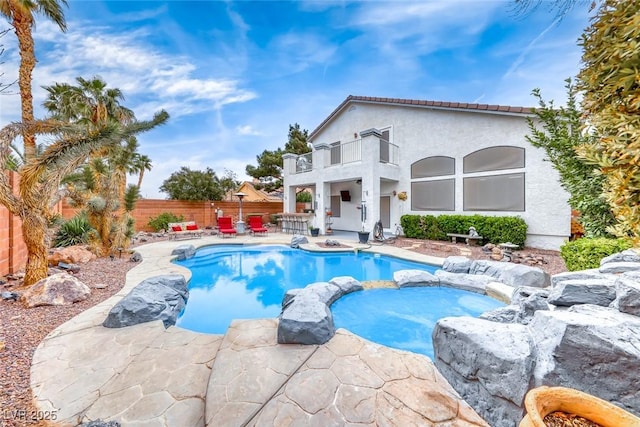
(586, 253)
(161, 222)
(73, 232)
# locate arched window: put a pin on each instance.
(494, 159)
(433, 166)
(497, 192)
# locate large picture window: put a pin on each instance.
(493, 159)
(433, 166)
(494, 193)
(433, 195)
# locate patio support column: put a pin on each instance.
(323, 199)
(289, 191)
(371, 175)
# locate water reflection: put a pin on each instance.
(238, 282)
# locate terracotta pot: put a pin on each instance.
(542, 401)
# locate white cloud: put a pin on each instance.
(247, 130)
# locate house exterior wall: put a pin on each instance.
(424, 132)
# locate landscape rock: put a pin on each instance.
(467, 282)
(347, 284)
(183, 252)
(9, 296)
(457, 264)
(591, 348)
(305, 320)
(524, 292)
(59, 289)
(135, 257)
(289, 295)
(592, 274)
(298, 240)
(511, 274)
(156, 298)
(331, 242)
(325, 291)
(630, 255)
(590, 291)
(627, 296)
(70, 255)
(507, 314)
(619, 267)
(411, 278)
(489, 364)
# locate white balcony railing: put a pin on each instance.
(304, 163)
(346, 153)
(389, 152)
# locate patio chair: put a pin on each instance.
(256, 227)
(226, 226)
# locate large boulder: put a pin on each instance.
(156, 298)
(298, 240)
(467, 282)
(457, 264)
(489, 364)
(347, 284)
(58, 289)
(630, 255)
(70, 255)
(590, 348)
(592, 274)
(305, 320)
(627, 296)
(511, 274)
(183, 252)
(412, 278)
(589, 291)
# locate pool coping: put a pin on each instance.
(79, 344)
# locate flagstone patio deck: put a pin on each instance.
(145, 375)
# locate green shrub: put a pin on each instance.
(587, 252)
(73, 232)
(494, 229)
(161, 222)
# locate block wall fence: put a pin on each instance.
(13, 252)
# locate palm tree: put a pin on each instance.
(41, 176)
(20, 15)
(92, 104)
(141, 163)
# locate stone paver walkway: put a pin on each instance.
(148, 376)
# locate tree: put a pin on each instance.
(101, 187)
(140, 164)
(20, 15)
(269, 169)
(610, 82)
(229, 182)
(192, 185)
(559, 137)
(41, 176)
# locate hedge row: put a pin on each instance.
(494, 229)
(586, 253)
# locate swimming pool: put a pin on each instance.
(248, 282)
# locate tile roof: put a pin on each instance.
(423, 103)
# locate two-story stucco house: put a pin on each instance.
(447, 158)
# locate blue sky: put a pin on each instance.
(234, 75)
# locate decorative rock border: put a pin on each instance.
(583, 332)
(306, 316)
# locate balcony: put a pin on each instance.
(348, 152)
(304, 163)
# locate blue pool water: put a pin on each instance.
(248, 282)
(404, 318)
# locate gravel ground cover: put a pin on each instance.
(21, 329)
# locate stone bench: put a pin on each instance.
(466, 237)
